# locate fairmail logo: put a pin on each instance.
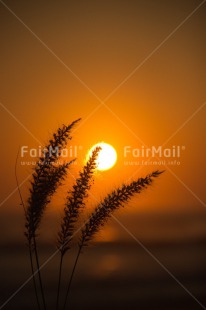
(71, 151)
(154, 151)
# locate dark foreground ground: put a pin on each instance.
(114, 276)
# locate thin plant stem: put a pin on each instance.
(72, 276)
(30, 251)
(59, 280)
(33, 277)
(39, 272)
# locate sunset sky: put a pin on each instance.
(78, 55)
(135, 72)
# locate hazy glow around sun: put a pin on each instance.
(107, 156)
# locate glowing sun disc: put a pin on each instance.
(107, 156)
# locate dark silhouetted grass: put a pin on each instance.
(74, 203)
(46, 179)
(112, 202)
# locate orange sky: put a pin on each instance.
(97, 46)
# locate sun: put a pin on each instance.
(107, 156)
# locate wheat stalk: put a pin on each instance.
(104, 210)
(74, 203)
(112, 202)
(45, 180)
(30, 253)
